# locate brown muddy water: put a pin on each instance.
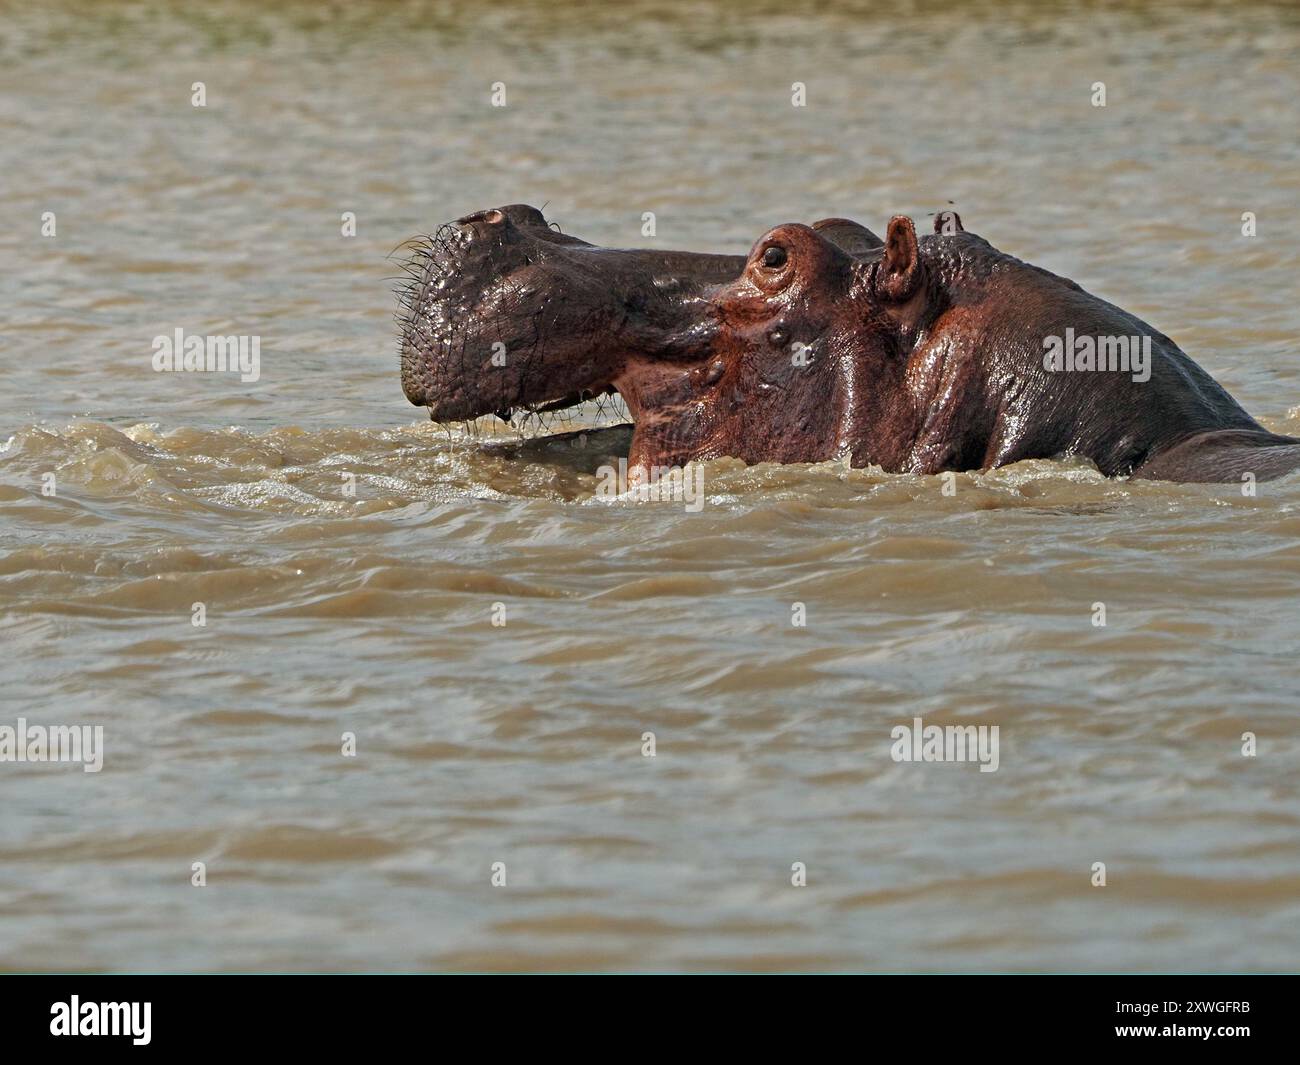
(522, 744)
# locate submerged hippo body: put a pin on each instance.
(915, 355)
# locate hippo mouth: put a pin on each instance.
(503, 314)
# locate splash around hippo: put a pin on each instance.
(917, 355)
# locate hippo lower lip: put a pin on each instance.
(573, 399)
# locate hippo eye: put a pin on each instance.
(774, 257)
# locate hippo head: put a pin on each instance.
(791, 354)
(502, 313)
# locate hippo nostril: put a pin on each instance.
(492, 217)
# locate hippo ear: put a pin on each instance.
(900, 269)
(947, 223)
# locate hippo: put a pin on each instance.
(915, 355)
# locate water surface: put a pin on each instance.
(372, 614)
